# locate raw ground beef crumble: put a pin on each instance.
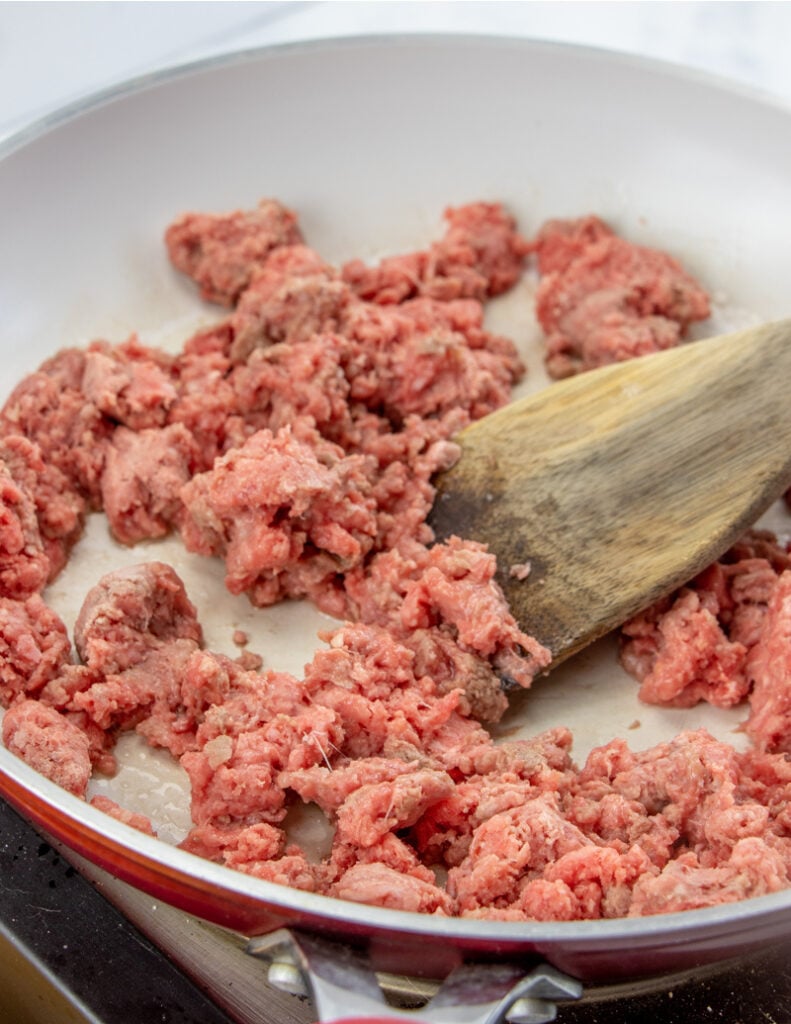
(296, 440)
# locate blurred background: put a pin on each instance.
(52, 54)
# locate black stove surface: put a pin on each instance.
(61, 923)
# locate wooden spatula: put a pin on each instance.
(620, 484)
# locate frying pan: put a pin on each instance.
(369, 140)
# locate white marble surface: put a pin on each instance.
(54, 53)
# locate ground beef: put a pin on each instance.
(50, 408)
(48, 742)
(448, 591)
(143, 475)
(377, 808)
(129, 384)
(293, 296)
(711, 641)
(288, 381)
(382, 886)
(59, 510)
(287, 516)
(134, 820)
(480, 255)
(130, 612)
(751, 870)
(603, 299)
(34, 647)
(143, 695)
(297, 439)
(508, 847)
(691, 657)
(769, 669)
(222, 252)
(24, 565)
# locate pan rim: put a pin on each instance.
(134, 84)
(158, 854)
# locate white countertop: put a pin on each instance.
(54, 53)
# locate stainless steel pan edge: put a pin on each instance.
(595, 952)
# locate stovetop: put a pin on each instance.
(112, 955)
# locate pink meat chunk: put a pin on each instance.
(480, 255)
(585, 884)
(49, 408)
(60, 693)
(769, 668)
(129, 384)
(510, 847)
(245, 842)
(206, 405)
(233, 782)
(427, 358)
(293, 296)
(258, 850)
(449, 588)
(131, 818)
(221, 252)
(368, 678)
(560, 242)
(142, 480)
(59, 509)
(145, 695)
(34, 647)
(289, 381)
(286, 516)
(429, 374)
(694, 659)
(234, 777)
(697, 644)
(330, 788)
(753, 869)
(406, 461)
(511, 775)
(24, 565)
(375, 809)
(130, 612)
(674, 779)
(48, 742)
(603, 299)
(251, 699)
(382, 886)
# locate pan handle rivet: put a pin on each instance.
(288, 978)
(532, 1011)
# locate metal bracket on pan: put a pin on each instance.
(342, 984)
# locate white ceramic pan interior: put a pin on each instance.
(369, 140)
